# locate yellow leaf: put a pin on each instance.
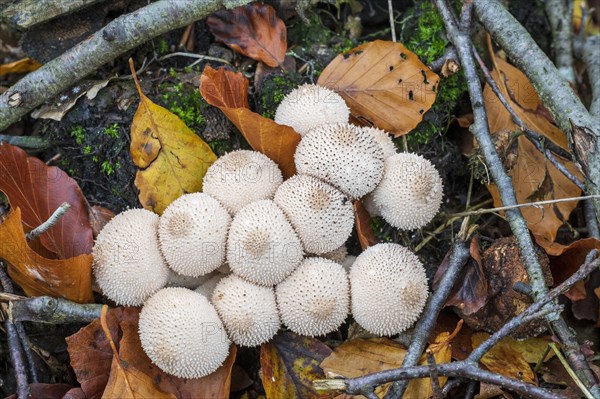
(126, 381)
(171, 158)
(20, 66)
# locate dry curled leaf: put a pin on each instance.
(38, 190)
(384, 85)
(229, 92)
(21, 66)
(365, 233)
(67, 278)
(290, 364)
(171, 159)
(253, 30)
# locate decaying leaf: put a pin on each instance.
(534, 178)
(365, 233)
(229, 92)
(290, 364)
(47, 391)
(67, 278)
(171, 158)
(384, 84)
(99, 216)
(92, 360)
(253, 30)
(21, 66)
(38, 190)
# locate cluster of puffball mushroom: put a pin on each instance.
(252, 251)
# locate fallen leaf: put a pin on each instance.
(253, 30)
(92, 359)
(229, 92)
(46, 391)
(171, 158)
(365, 233)
(290, 364)
(99, 216)
(125, 381)
(39, 190)
(67, 278)
(384, 84)
(461, 342)
(470, 293)
(534, 178)
(505, 359)
(21, 66)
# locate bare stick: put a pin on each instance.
(24, 14)
(44, 309)
(591, 56)
(433, 376)
(560, 16)
(448, 56)
(570, 371)
(48, 224)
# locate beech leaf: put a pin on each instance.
(171, 159)
(384, 84)
(253, 30)
(366, 236)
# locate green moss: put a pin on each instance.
(107, 168)
(183, 100)
(163, 46)
(112, 131)
(275, 88)
(78, 133)
(308, 33)
(220, 147)
(87, 149)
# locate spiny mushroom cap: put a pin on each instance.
(410, 193)
(321, 215)
(128, 265)
(242, 177)
(309, 106)
(193, 234)
(263, 247)
(384, 140)
(182, 334)
(342, 155)
(389, 289)
(248, 311)
(314, 300)
(208, 287)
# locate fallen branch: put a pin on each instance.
(560, 14)
(23, 14)
(48, 224)
(45, 309)
(26, 142)
(123, 34)
(591, 57)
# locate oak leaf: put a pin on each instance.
(229, 92)
(171, 159)
(38, 190)
(534, 177)
(384, 85)
(67, 278)
(253, 30)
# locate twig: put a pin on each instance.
(448, 56)
(392, 21)
(45, 309)
(26, 142)
(517, 206)
(560, 16)
(470, 393)
(457, 258)
(198, 56)
(26, 344)
(570, 371)
(591, 220)
(48, 224)
(450, 385)
(591, 57)
(24, 14)
(480, 127)
(433, 376)
(119, 36)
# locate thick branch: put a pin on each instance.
(44, 309)
(560, 15)
(123, 34)
(24, 14)
(591, 56)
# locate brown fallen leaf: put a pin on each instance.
(253, 30)
(384, 85)
(21, 66)
(171, 158)
(365, 233)
(67, 278)
(38, 190)
(229, 92)
(290, 364)
(46, 391)
(534, 178)
(92, 359)
(99, 216)
(125, 381)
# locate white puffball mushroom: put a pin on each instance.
(193, 234)
(248, 311)
(389, 289)
(314, 300)
(182, 334)
(309, 106)
(342, 155)
(382, 138)
(262, 246)
(241, 177)
(322, 215)
(128, 265)
(410, 193)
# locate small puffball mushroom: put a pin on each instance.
(208, 287)
(321, 215)
(262, 246)
(309, 106)
(248, 311)
(410, 193)
(383, 139)
(242, 177)
(389, 289)
(342, 155)
(314, 300)
(193, 234)
(182, 334)
(127, 263)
